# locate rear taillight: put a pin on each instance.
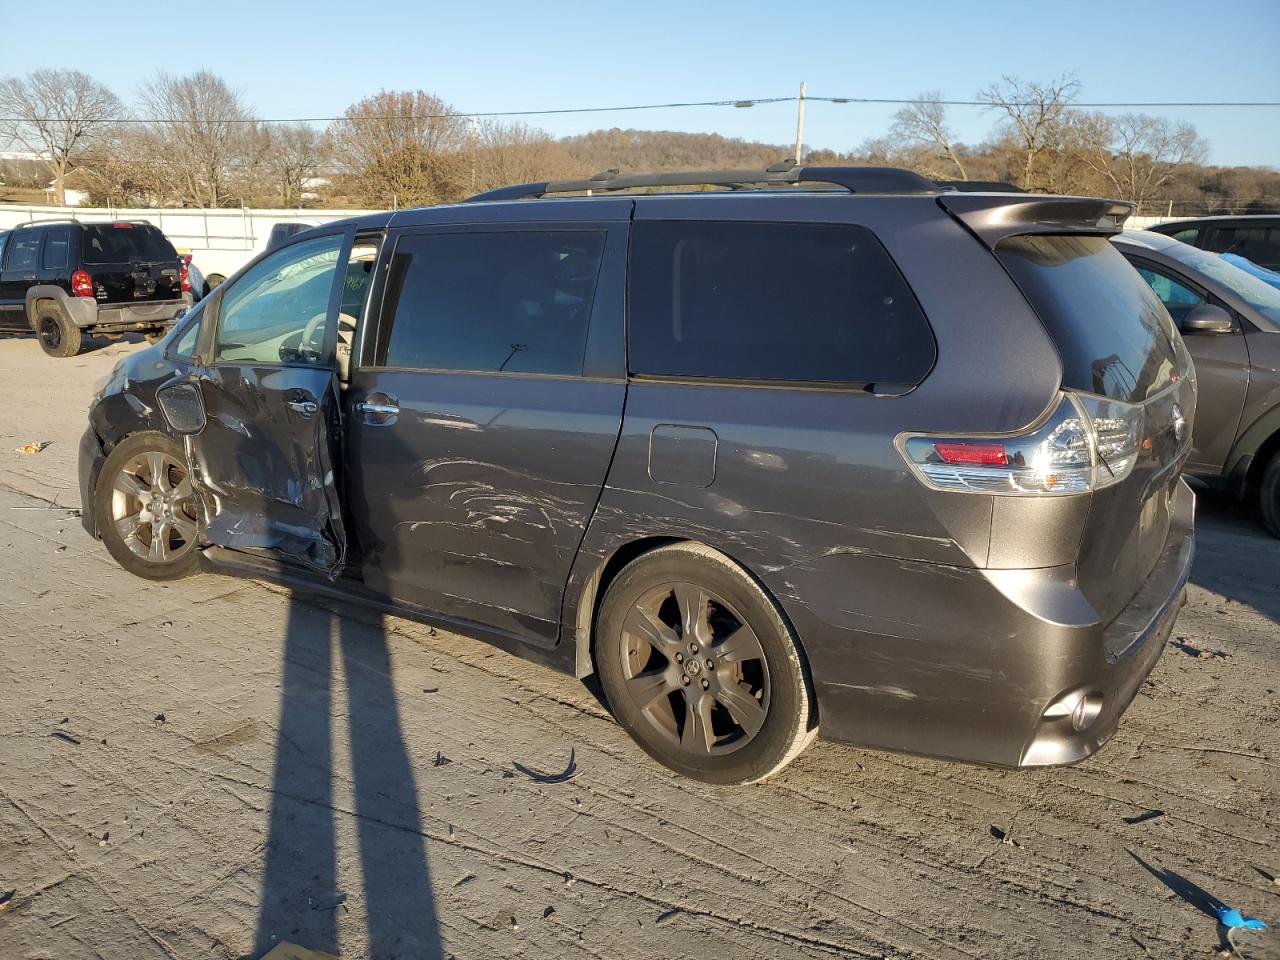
(81, 284)
(185, 276)
(1088, 443)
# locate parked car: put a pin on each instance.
(280, 232)
(1270, 277)
(899, 464)
(1253, 237)
(66, 279)
(1230, 321)
(215, 265)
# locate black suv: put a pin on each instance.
(899, 463)
(66, 279)
(1255, 238)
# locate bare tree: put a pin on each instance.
(923, 122)
(297, 152)
(57, 115)
(199, 119)
(404, 148)
(1036, 115)
(1137, 154)
(515, 153)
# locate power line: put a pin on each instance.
(1098, 104)
(739, 104)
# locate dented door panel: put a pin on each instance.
(263, 464)
(473, 499)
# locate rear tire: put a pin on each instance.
(1270, 496)
(58, 336)
(145, 508)
(211, 281)
(700, 667)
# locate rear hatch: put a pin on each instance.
(1116, 341)
(130, 263)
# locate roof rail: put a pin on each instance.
(853, 179)
(86, 223)
(978, 186)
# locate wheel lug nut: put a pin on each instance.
(706, 684)
(686, 681)
(693, 648)
(679, 658)
(711, 664)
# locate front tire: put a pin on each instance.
(146, 508)
(58, 336)
(1270, 496)
(700, 667)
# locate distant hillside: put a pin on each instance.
(648, 150)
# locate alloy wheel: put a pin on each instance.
(694, 669)
(153, 507)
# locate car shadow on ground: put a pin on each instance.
(302, 894)
(1236, 556)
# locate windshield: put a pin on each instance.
(1257, 293)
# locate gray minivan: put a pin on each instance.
(831, 449)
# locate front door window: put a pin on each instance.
(277, 312)
(1178, 298)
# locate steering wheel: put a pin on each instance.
(308, 348)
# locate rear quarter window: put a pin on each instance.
(1114, 337)
(737, 301)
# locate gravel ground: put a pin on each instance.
(211, 767)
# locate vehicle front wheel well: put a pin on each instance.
(1258, 465)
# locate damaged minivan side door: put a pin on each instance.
(262, 460)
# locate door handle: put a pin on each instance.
(304, 408)
(379, 409)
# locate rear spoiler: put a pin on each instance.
(995, 217)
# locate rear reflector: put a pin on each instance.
(1088, 443)
(81, 284)
(984, 454)
(185, 276)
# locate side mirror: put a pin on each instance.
(1208, 318)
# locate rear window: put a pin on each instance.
(115, 243)
(1115, 338)
(772, 302)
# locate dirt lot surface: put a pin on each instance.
(212, 767)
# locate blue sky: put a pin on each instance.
(313, 59)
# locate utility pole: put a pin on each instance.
(475, 137)
(800, 124)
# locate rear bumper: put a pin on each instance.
(978, 665)
(1132, 643)
(86, 312)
